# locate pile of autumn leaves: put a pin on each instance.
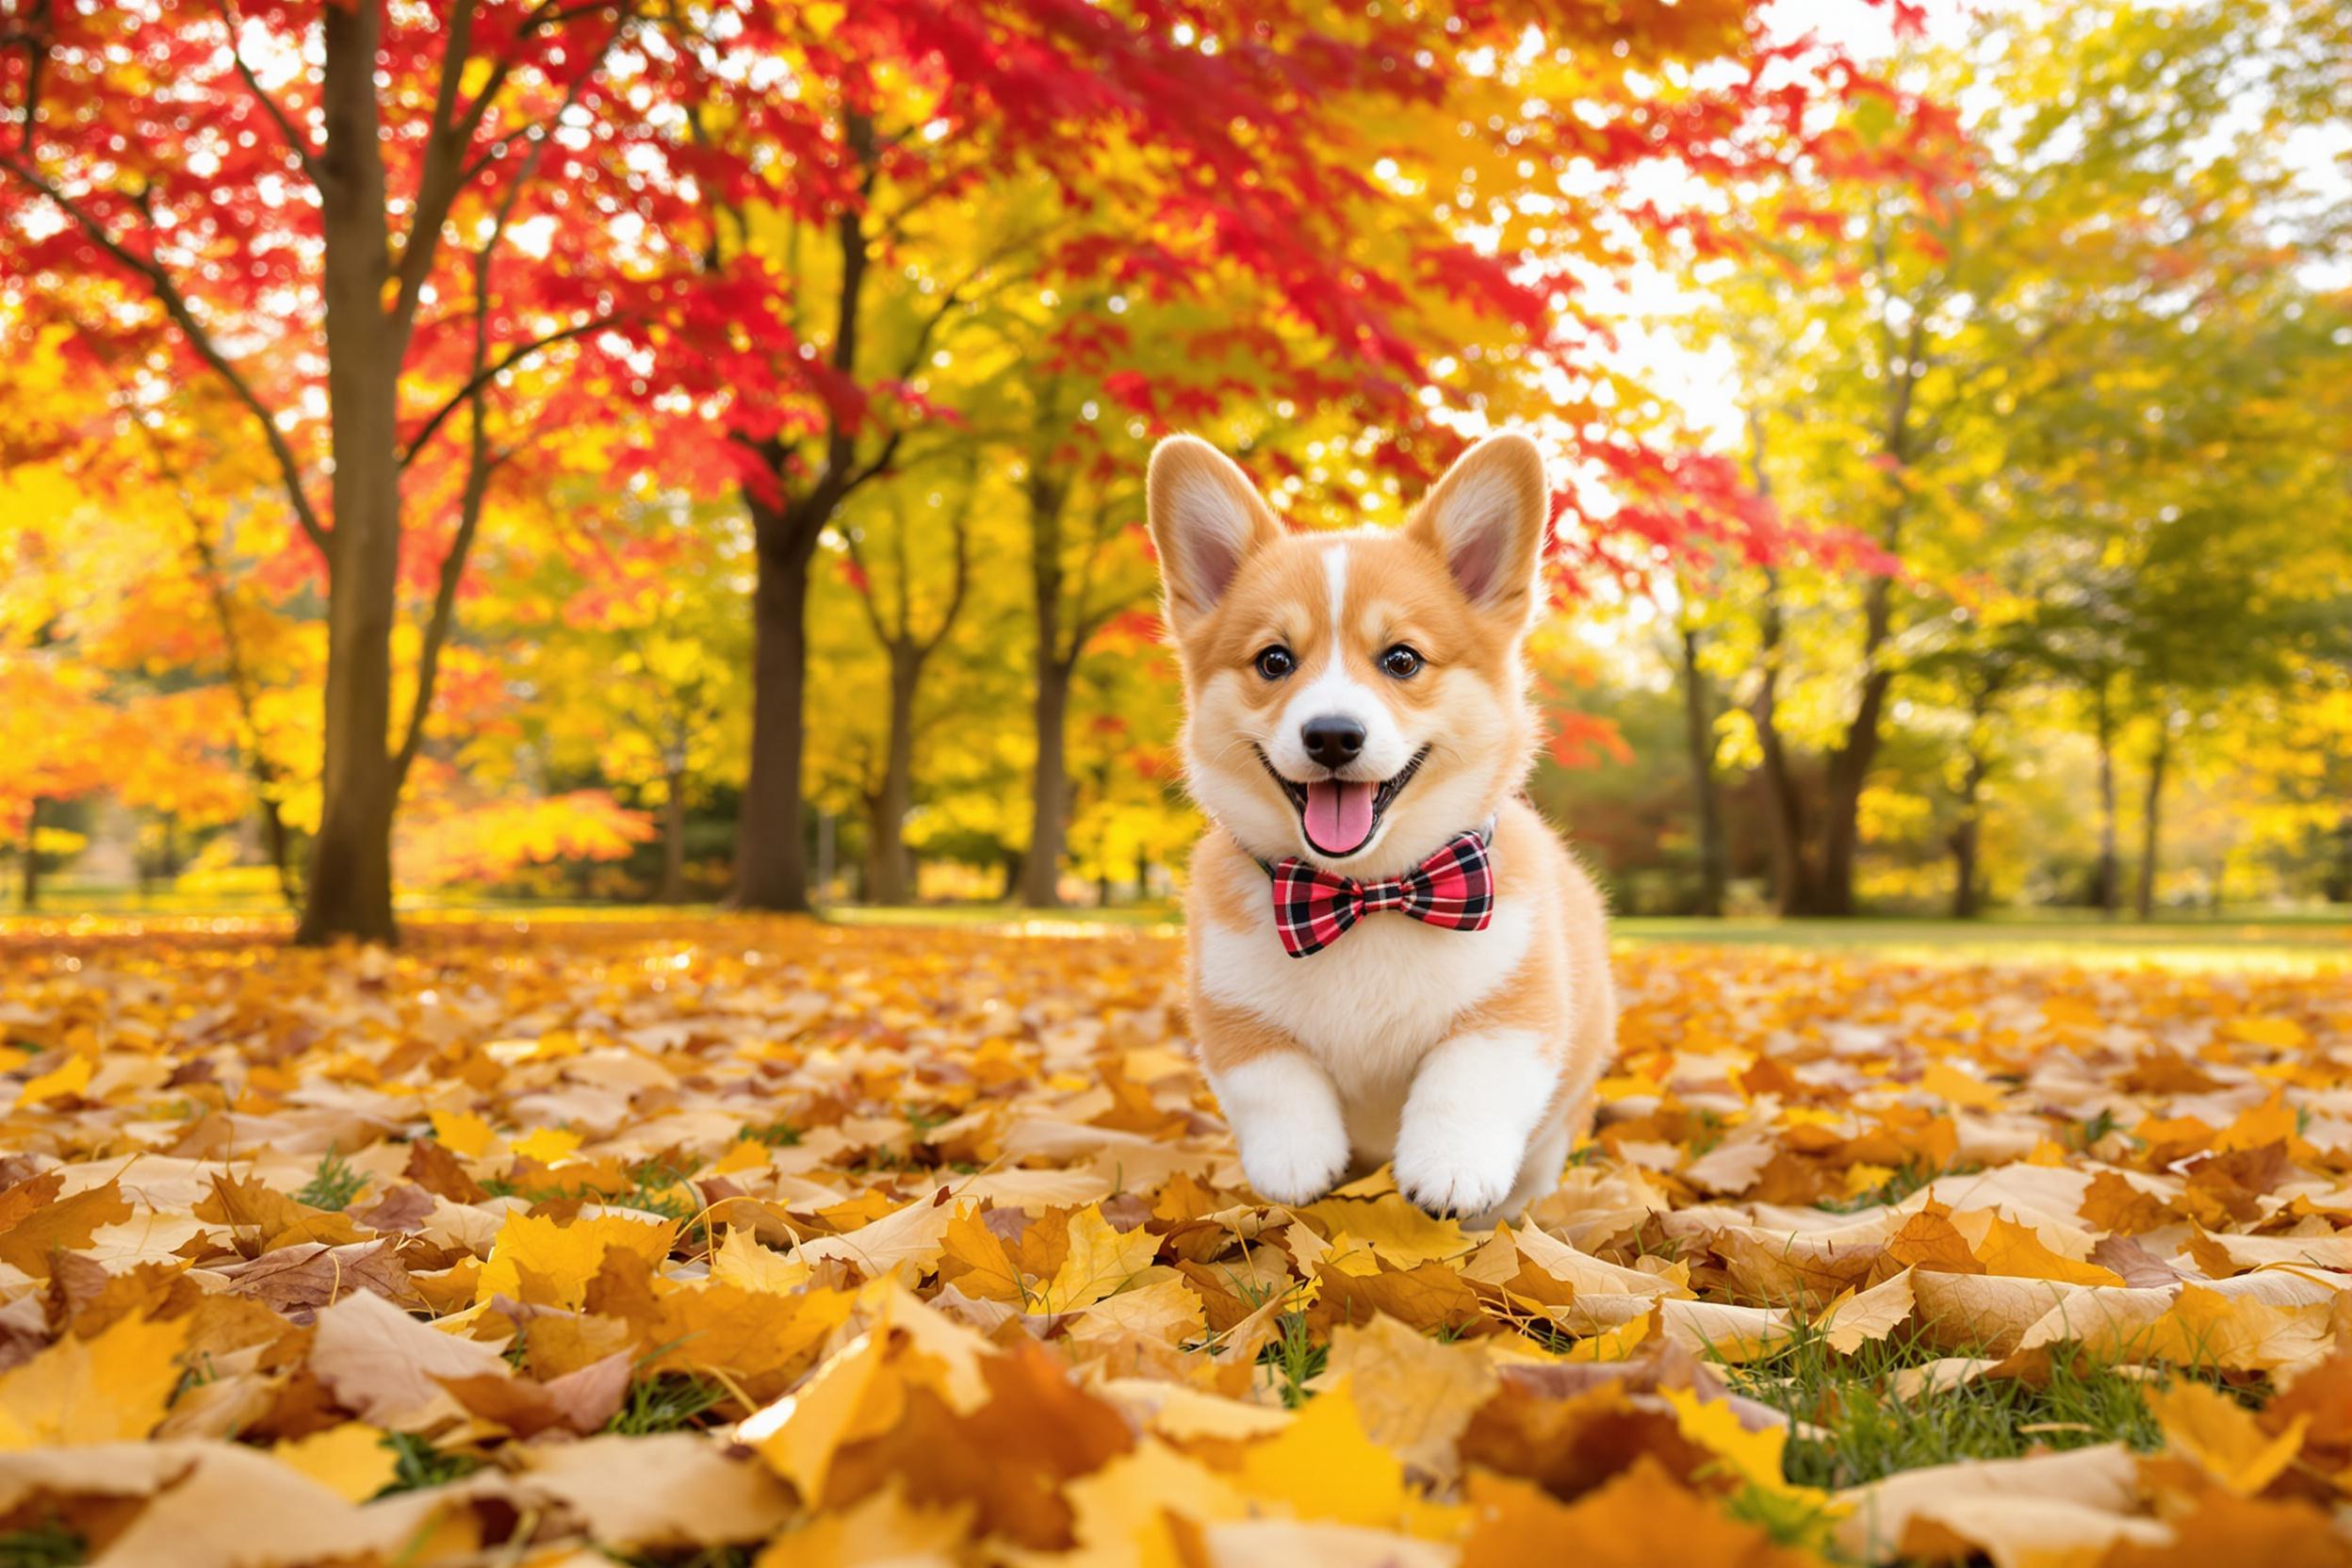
(746, 1241)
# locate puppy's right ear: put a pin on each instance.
(1206, 520)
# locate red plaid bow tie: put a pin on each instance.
(1453, 888)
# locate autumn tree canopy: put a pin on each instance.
(696, 451)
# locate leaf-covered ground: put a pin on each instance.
(739, 1241)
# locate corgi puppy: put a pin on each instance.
(1392, 957)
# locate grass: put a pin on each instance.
(1854, 1430)
(333, 1185)
(418, 1464)
(1910, 1177)
(46, 1545)
(2249, 937)
(652, 1189)
(669, 1402)
(2069, 936)
(1296, 1359)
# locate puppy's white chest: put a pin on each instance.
(1371, 1004)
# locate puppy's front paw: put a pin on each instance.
(1449, 1172)
(1294, 1164)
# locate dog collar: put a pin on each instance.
(1453, 888)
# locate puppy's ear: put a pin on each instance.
(1206, 520)
(1486, 517)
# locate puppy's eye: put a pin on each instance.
(1275, 663)
(1400, 662)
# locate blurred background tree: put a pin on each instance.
(696, 453)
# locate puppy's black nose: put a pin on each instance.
(1332, 740)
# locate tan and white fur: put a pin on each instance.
(1469, 1059)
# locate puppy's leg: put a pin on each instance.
(1285, 1115)
(1475, 1102)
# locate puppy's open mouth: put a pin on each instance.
(1340, 815)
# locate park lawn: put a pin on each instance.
(860, 1194)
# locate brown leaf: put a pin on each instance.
(1008, 1459)
(2113, 1204)
(1569, 1446)
(402, 1208)
(62, 1225)
(384, 1366)
(1639, 1519)
(431, 1167)
(300, 1278)
(2139, 1267)
(668, 1493)
(1430, 1296)
(1930, 1241)
(581, 1401)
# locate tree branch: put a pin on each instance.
(488, 374)
(882, 632)
(175, 305)
(296, 141)
(483, 374)
(961, 579)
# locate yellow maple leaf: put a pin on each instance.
(548, 1144)
(1852, 1319)
(350, 1461)
(1344, 1254)
(1414, 1394)
(463, 1133)
(2222, 1438)
(983, 1268)
(740, 1259)
(68, 1077)
(2275, 1034)
(1393, 1227)
(1326, 1467)
(1756, 1455)
(2272, 1121)
(2016, 1250)
(742, 1155)
(2205, 1328)
(883, 1528)
(1954, 1088)
(548, 1263)
(856, 1393)
(110, 1389)
(1614, 1344)
(1120, 1512)
(1101, 1259)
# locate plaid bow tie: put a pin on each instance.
(1453, 888)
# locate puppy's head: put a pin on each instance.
(1355, 698)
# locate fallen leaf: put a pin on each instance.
(100, 1390)
(385, 1366)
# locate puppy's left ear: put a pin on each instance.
(1486, 517)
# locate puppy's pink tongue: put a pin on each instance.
(1339, 815)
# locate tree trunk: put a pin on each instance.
(1049, 794)
(674, 840)
(1849, 775)
(1698, 712)
(770, 864)
(1049, 791)
(2107, 881)
(1795, 890)
(1967, 838)
(28, 880)
(279, 841)
(350, 884)
(893, 867)
(2152, 819)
